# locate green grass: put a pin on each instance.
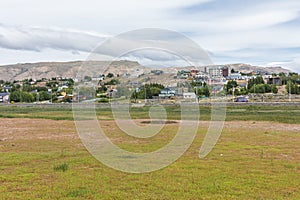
(253, 166)
(43, 158)
(283, 114)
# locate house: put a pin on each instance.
(62, 87)
(189, 95)
(202, 76)
(184, 74)
(167, 93)
(4, 97)
(235, 76)
(60, 98)
(157, 72)
(194, 72)
(100, 78)
(274, 80)
(7, 88)
(41, 84)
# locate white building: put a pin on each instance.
(189, 95)
(218, 71)
(4, 97)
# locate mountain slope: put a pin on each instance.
(96, 68)
(67, 69)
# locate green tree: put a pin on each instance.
(148, 91)
(113, 82)
(283, 77)
(110, 75)
(261, 88)
(27, 88)
(196, 84)
(15, 96)
(44, 96)
(27, 97)
(281, 74)
(39, 89)
(274, 89)
(87, 91)
(68, 90)
(203, 91)
(70, 83)
(292, 88)
(255, 81)
(122, 91)
(233, 71)
(18, 96)
(230, 85)
(87, 78)
(242, 91)
(101, 89)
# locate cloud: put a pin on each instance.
(153, 44)
(40, 38)
(252, 31)
(10, 56)
(293, 65)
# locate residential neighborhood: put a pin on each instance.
(212, 82)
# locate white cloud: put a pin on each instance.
(293, 65)
(246, 31)
(10, 56)
(37, 38)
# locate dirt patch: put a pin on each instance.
(28, 129)
(264, 126)
(158, 122)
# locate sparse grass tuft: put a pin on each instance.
(62, 167)
(81, 192)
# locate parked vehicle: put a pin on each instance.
(241, 99)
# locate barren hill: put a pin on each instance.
(68, 69)
(246, 68)
(96, 68)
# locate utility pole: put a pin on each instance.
(50, 90)
(37, 96)
(290, 91)
(233, 93)
(21, 98)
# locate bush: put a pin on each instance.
(62, 167)
(292, 88)
(18, 96)
(123, 91)
(113, 82)
(103, 95)
(43, 96)
(274, 89)
(103, 100)
(261, 88)
(255, 81)
(110, 75)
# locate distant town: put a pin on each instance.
(212, 82)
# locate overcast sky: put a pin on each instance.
(258, 32)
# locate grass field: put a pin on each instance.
(282, 114)
(257, 157)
